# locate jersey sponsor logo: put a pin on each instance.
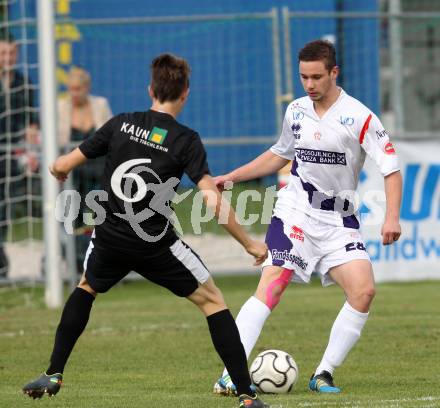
(296, 127)
(321, 156)
(381, 133)
(287, 256)
(346, 120)
(298, 115)
(297, 233)
(153, 139)
(317, 135)
(389, 148)
(137, 131)
(353, 246)
(158, 135)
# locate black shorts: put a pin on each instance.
(175, 267)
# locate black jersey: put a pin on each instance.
(146, 156)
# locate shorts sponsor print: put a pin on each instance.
(309, 247)
(287, 256)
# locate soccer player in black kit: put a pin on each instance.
(146, 156)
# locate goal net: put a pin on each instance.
(20, 182)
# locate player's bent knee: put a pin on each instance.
(215, 297)
(83, 284)
(368, 296)
(370, 293)
(362, 300)
(367, 293)
(271, 292)
(208, 298)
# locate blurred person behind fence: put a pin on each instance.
(80, 114)
(19, 136)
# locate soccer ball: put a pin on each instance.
(274, 372)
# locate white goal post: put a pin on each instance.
(46, 54)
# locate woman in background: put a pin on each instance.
(80, 114)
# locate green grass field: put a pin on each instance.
(146, 348)
(185, 207)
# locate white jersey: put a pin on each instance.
(328, 154)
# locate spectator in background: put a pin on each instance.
(79, 115)
(19, 135)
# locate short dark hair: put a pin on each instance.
(319, 50)
(169, 77)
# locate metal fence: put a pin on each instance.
(244, 69)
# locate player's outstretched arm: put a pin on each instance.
(62, 166)
(393, 191)
(214, 200)
(264, 165)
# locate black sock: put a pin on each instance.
(226, 339)
(73, 321)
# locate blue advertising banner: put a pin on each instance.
(417, 253)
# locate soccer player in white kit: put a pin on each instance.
(314, 226)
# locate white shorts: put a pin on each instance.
(312, 247)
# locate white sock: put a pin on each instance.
(345, 333)
(250, 322)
